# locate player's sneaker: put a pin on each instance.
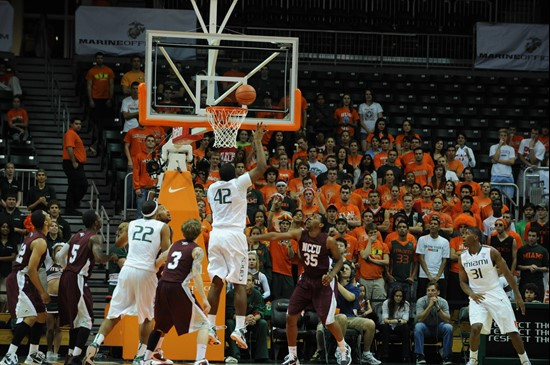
(158, 355)
(231, 360)
(447, 361)
(420, 360)
(291, 360)
(91, 353)
(238, 337)
(36, 358)
(213, 336)
(138, 360)
(472, 362)
(368, 358)
(347, 356)
(201, 362)
(10, 359)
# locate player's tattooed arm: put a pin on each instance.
(198, 256)
(196, 268)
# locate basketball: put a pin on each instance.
(245, 94)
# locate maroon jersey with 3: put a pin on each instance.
(179, 262)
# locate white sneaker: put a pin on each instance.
(346, 360)
(36, 358)
(231, 360)
(158, 355)
(10, 359)
(239, 338)
(213, 336)
(471, 362)
(368, 358)
(138, 360)
(291, 360)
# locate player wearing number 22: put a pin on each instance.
(316, 286)
(137, 281)
(227, 247)
(479, 280)
(84, 249)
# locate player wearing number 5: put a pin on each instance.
(477, 269)
(75, 299)
(227, 247)
(137, 281)
(316, 286)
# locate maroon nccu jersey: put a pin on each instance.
(315, 254)
(23, 257)
(81, 259)
(179, 262)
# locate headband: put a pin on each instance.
(153, 212)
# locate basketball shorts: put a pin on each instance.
(228, 255)
(76, 307)
(23, 298)
(135, 292)
(310, 292)
(496, 306)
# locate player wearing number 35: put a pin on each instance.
(137, 281)
(227, 248)
(477, 268)
(84, 249)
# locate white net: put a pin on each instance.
(225, 122)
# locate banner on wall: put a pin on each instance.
(512, 46)
(121, 31)
(6, 26)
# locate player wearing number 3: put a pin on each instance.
(137, 281)
(488, 301)
(227, 247)
(75, 299)
(316, 286)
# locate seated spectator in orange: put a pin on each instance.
(354, 157)
(331, 189)
(360, 232)
(366, 187)
(405, 147)
(311, 203)
(469, 179)
(380, 130)
(279, 150)
(483, 198)
(346, 116)
(301, 153)
(425, 205)
(354, 199)
(438, 180)
(134, 75)
(487, 210)
(373, 260)
(348, 210)
(18, 121)
(422, 171)
(269, 188)
(465, 190)
(406, 128)
(514, 139)
(341, 230)
(446, 222)
(296, 185)
(449, 198)
(393, 205)
(452, 164)
(381, 157)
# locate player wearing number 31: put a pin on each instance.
(137, 281)
(479, 280)
(75, 299)
(227, 247)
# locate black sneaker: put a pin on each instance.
(447, 360)
(420, 360)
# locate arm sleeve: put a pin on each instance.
(471, 163)
(265, 286)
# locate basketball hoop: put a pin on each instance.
(225, 122)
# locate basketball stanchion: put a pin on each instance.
(225, 122)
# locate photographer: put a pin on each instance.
(143, 182)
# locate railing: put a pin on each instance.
(513, 201)
(95, 204)
(126, 207)
(531, 173)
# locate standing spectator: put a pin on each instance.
(8, 252)
(18, 121)
(373, 260)
(8, 80)
(74, 158)
(54, 208)
(100, 82)
(503, 158)
(369, 112)
(9, 184)
(282, 254)
(393, 164)
(489, 222)
(395, 318)
(452, 163)
(380, 130)
(143, 183)
(514, 139)
(134, 75)
(422, 171)
(529, 217)
(464, 153)
(40, 194)
(321, 117)
(531, 154)
(540, 225)
(315, 167)
(433, 252)
(129, 109)
(134, 143)
(15, 216)
(407, 131)
(403, 266)
(433, 320)
(437, 150)
(346, 116)
(532, 263)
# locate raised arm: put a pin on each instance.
(293, 234)
(261, 164)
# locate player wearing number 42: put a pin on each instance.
(488, 301)
(84, 249)
(137, 281)
(227, 247)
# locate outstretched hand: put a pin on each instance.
(259, 132)
(520, 305)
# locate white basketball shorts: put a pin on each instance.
(228, 255)
(496, 306)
